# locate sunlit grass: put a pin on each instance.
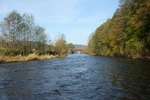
(30, 57)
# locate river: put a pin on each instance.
(76, 77)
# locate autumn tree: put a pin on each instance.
(127, 33)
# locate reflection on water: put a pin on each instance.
(76, 77)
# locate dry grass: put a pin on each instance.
(30, 57)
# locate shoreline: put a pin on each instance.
(30, 57)
(132, 57)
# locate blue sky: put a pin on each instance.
(77, 19)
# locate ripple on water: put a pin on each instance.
(76, 77)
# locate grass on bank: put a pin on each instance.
(30, 57)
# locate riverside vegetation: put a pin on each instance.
(126, 34)
(20, 58)
(22, 40)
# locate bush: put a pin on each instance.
(9, 52)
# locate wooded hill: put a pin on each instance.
(127, 33)
(79, 46)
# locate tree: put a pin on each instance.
(60, 45)
(127, 33)
(20, 34)
(40, 38)
(10, 28)
(27, 33)
(70, 46)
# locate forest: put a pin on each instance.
(126, 34)
(19, 35)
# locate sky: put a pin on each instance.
(76, 19)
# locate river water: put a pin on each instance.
(76, 77)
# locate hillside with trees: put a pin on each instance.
(78, 49)
(127, 33)
(79, 46)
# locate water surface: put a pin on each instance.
(76, 77)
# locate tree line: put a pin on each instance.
(127, 33)
(20, 36)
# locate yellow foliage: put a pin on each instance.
(148, 5)
(116, 48)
